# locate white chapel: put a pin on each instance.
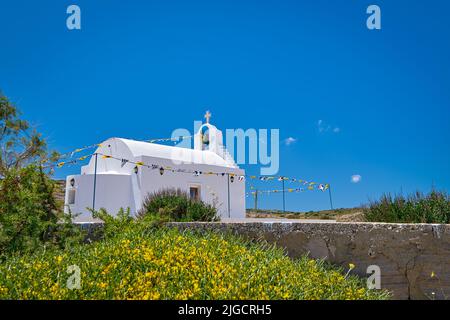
(122, 172)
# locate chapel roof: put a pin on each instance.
(179, 154)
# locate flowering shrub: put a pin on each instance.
(175, 205)
(159, 263)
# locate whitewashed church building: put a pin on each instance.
(122, 172)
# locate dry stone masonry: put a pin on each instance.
(414, 259)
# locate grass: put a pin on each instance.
(415, 208)
(433, 207)
(158, 263)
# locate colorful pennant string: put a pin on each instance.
(283, 178)
(169, 139)
(307, 185)
(321, 187)
(64, 163)
(70, 154)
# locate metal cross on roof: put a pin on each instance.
(208, 116)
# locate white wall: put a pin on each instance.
(211, 186)
(118, 185)
(113, 191)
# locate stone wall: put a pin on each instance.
(407, 254)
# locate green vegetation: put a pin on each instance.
(147, 262)
(20, 144)
(29, 215)
(140, 259)
(175, 205)
(416, 208)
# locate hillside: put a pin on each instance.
(342, 214)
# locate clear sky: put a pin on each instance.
(140, 69)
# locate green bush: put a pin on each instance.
(29, 217)
(175, 205)
(416, 208)
(113, 225)
(200, 211)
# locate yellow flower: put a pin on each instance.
(173, 265)
(432, 274)
(102, 285)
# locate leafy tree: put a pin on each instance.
(20, 144)
(27, 209)
(29, 214)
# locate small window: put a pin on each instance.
(194, 193)
(71, 196)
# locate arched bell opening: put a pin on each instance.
(205, 138)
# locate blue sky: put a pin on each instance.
(140, 69)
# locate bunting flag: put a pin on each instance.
(307, 185)
(175, 139)
(70, 154)
(64, 163)
(171, 169)
(321, 187)
(289, 190)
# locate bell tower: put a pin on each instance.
(208, 137)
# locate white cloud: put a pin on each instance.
(290, 141)
(356, 178)
(320, 126)
(324, 127)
